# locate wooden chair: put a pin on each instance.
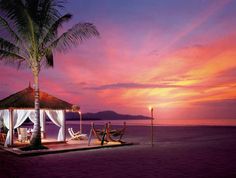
(112, 134)
(22, 134)
(100, 134)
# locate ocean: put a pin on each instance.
(178, 152)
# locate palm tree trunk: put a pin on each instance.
(35, 140)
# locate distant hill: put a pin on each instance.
(105, 115)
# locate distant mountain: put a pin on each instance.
(105, 115)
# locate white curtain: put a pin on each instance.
(1, 119)
(1, 123)
(42, 120)
(19, 116)
(58, 118)
(5, 116)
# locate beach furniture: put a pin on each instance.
(82, 136)
(99, 134)
(107, 134)
(22, 134)
(77, 135)
(74, 133)
(115, 135)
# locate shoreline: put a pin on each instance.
(120, 123)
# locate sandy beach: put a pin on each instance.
(178, 152)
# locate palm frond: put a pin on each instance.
(50, 9)
(10, 57)
(13, 59)
(6, 25)
(14, 10)
(36, 23)
(43, 12)
(52, 32)
(49, 58)
(8, 46)
(77, 34)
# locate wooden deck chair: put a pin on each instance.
(112, 133)
(75, 133)
(22, 134)
(77, 136)
(100, 134)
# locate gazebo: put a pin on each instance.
(16, 108)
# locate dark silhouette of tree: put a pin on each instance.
(29, 37)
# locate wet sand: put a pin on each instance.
(178, 152)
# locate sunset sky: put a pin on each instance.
(177, 56)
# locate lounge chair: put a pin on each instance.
(22, 134)
(77, 136)
(115, 135)
(82, 136)
(100, 134)
(75, 133)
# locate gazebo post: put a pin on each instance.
(11, 126)
(64, 126)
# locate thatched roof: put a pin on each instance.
(25, 99)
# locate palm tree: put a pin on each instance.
(29, 36)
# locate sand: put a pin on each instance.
(178, 152)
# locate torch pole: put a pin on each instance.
(80, 121)
(152, 125)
